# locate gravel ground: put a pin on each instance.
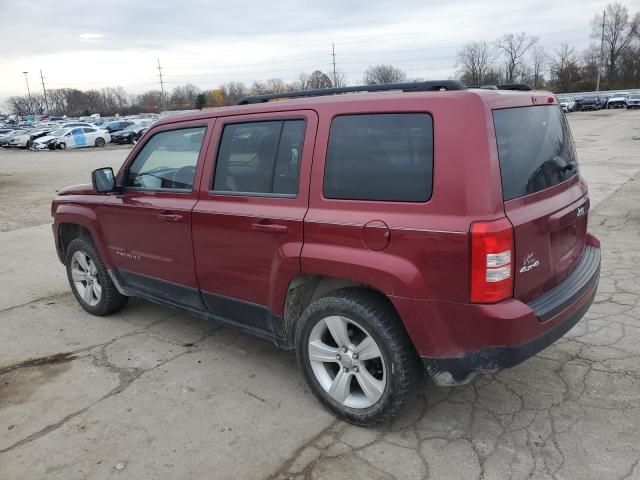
(151, 394)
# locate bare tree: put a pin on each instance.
(378, 74)
(514, 47)
(301, 82)
(619, 31)
(564, 68)
(340, 79)
(539, 59)
(318, 80)
(475, 59)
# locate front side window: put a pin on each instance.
(383, 157)
(168, 160)
(260, 158)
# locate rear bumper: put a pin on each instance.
(455, 341)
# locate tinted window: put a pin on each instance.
(535, 148)
(260, 157)
(88, 130)
(168, 160)
(380, 157)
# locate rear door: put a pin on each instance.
(248, 222)
(545, 198)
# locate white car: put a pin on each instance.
(617, 100)
(76, 137)
(568, 104)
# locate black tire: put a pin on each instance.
(100, 142)
(111, 300)
(61, 146)
(377, 316)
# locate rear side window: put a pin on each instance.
(385, 157)
(260, 158)
(535, 148)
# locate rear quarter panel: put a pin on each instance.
(428, 251)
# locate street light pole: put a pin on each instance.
(26, 79)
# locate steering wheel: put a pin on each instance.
(183, 176)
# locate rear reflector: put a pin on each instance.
(491, 267)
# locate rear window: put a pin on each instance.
(385, 157)
(535, 148)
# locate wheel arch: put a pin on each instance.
(77, 221)
(304, 289)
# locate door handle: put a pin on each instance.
(269, 228)
(170, 217)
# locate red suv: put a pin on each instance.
(376, 232)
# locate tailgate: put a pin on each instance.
(545, 199)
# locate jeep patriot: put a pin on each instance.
(379, 231)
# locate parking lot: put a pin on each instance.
(148, 393)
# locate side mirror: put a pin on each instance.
(103, 180)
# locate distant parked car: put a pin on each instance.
(633, 101)
(77, 124)
(590, 102)
(131, 134)
(117, 125)
(7, 133)
(568, 104)
(617, 100)
(26, 138)
(77, 137)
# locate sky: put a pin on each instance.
(91, 44)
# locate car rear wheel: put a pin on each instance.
(100, 142)
(356, 356)
(90, 281)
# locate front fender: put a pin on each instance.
(84, 216)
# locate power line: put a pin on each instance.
(161, 86)
(604, 12)
(333, 54)
(44, 90)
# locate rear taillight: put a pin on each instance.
(491, 261)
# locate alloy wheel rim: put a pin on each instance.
(347, 362)
(85, 278)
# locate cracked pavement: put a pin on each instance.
(149, 393)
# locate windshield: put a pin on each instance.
(58, 133)
(635, 97)
(535, 149)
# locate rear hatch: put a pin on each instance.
(545, 198)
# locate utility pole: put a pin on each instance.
(26, 79)
(44, 90)
(600, 63)
(333, 54)
(164, 107)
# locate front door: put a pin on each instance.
(148, 226)
(247, 225)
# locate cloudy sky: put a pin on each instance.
(96, 43)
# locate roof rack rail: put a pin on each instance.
(405, 87)
(523, 87)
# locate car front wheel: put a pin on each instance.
(90, 281)
(356, 356)
(100, 142)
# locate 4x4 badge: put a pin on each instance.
(529, 263)
(581, 211)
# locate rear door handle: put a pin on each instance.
(269, 228)
(170, 217)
